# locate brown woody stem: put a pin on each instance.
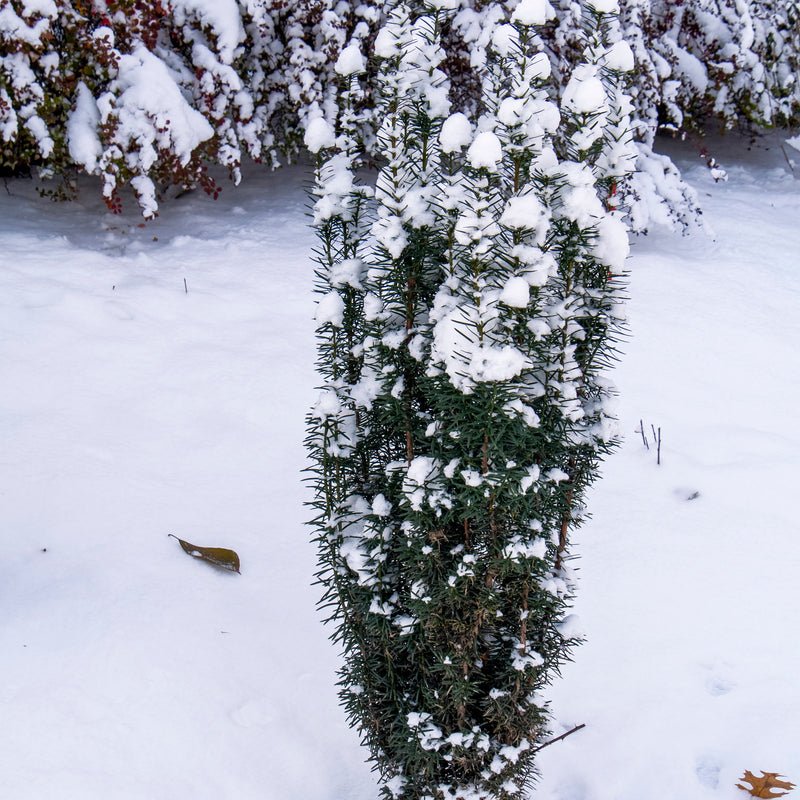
(558, 738)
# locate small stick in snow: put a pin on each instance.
(558, 738)
(644, 438)
(658, 448)
(185, 286)
(788, 160)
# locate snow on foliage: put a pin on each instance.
(319, 134)
(82, 130)
(26, 48)
(456, 133)
(150, 122)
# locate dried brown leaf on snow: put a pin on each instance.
(763, 786)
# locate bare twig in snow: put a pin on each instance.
(559, 738)
(788, 160)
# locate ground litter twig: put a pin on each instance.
(559, 738)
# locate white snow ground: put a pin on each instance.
(130, 409)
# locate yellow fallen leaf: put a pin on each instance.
(763, 786)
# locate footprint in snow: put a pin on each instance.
(707, 770)
(718, 680)
(252, 714)
(717, 686)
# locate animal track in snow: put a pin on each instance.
(707, 770)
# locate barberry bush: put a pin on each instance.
(149, 94)
(243, 79)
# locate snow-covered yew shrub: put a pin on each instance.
(466, 314)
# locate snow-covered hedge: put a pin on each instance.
(469, 304)
(696, 60)
(30, 111)
(147, 93)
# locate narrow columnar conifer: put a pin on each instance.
(467, 312)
